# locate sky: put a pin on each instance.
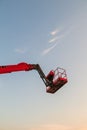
(51, 33)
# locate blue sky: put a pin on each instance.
(51, 33)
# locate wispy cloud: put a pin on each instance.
(55, 127)
(56, 38)
(51, 127)
(46, 51)
(54, 32)
(21, 50)
(53, 39)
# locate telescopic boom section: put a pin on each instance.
(14, 68)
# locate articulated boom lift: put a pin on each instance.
(53, 81)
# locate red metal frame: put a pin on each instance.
(59, 79)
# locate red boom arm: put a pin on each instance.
(13, 68)
(53, 81)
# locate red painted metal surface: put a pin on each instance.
(13, 68)
(59, 80)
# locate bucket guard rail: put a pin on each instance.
(54, 80)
